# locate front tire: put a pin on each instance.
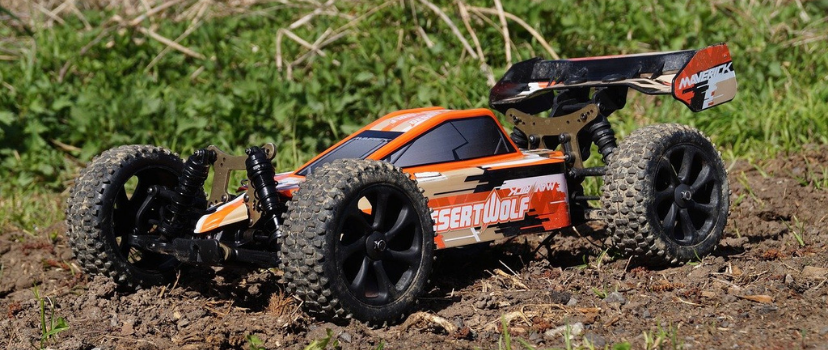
(102, 209)
(665, 195)
(359, 243)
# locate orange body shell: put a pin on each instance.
(472, 200)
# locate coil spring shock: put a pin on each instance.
(260, 172)
(190, 185)
(604, 137)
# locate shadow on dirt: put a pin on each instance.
(245, 288)
(458, 268)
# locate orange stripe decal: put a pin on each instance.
(214, 220)
(438, 240)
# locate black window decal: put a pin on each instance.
(453, 141)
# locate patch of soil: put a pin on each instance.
(765, 287)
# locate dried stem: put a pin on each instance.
(167, 49)
(170, 43)
(451, 25)
(505, 29)
(464, 14)
(153, 11)
(523, 24)
(301, 41)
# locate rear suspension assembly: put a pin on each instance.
(603, 136)
(260, 172)
(186, 194)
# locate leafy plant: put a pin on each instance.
(254, 342)
(658, 339)
(797, 230)
(600, 293)
(54, 326)
(322, 344)
(622, 346)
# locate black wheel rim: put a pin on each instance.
(380, 245)
(130, 197)
(687, 194)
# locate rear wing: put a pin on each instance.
(699, 78)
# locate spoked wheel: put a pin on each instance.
(666, 195)
(360, 242)
(687, 194)
(379, 253)
(110, 206)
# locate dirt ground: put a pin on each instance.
(760, 289)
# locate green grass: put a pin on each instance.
(507, 342)
(797, 230)
(55, 325)
(68, 92)
(31, 212)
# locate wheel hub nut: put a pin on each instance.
(380, 245)
(683, 195)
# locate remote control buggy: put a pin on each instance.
(356, 228)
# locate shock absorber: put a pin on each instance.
(603, 136)
(260, 172)
(185, 194)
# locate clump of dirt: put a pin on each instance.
(765, 287)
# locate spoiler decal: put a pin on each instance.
(707, 80)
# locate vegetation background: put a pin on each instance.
(78, 77)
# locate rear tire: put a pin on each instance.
(359, 243)
(101, 214)
(665, 195)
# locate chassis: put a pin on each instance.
(355, 229)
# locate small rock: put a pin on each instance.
(646, 314)
(589, 317)
(814, 272)
(767, 309)
(127, 328)
(253, 289)
(572, 301)
(596, 340)
(575, 329)
(729, 298)
(517, 330)
(486, 302)
(346, 337)
(459, 322)
(183, 323)
(733, 242)
(615, 297)
(823, 331)
(789, 279)
(560, 297)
